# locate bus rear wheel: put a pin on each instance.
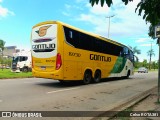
(97, 76)
(87, 77)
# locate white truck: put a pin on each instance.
(21, 61)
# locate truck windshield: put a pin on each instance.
(15, 59)
(19, 58)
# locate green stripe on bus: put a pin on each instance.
(119, 65)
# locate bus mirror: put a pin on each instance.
(136, 58)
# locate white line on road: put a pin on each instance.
(62, 90)
(103, 84)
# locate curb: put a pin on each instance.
(122, 105)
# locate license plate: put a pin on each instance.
(43, 67)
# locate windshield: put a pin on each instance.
(20, 58)
(15, 59)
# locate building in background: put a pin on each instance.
(9, 50)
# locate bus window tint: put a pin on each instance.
(87, 42)
(131, 56)
(72, 36)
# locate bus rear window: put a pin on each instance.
(43, 40)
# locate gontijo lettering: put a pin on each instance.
(100, 58)
(44, 46)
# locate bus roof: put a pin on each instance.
(83, 31)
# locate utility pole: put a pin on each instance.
(158, 42)
(157, 35)
(109, 23)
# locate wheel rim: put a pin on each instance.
(25, 69)
(97, 76)
(87, 78)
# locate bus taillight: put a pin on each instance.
(58, 61)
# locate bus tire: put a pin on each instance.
(62, 81)
(97, 76)
(87, 77)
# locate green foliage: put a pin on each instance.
(2, 43)
(154, 65)
(144, 63)
(151, 53)
(108, 2)
(6, 61)
(6, 73)
(151, 32)
(151, 11)
(136, 51)
(137, 64)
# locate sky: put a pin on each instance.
(17, 17)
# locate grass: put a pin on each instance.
(6, 74)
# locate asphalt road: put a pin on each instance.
(37, 94)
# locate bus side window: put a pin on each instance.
(131, 56)
(125, 52)
(71, 34)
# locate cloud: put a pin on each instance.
(141, 40)
(4, 12)
(1, 1)
(65, 13)
(147, 45)
(125, 22)
(97, 9)
(67, 6)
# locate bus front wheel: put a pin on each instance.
(87, 77)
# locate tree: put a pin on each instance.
(108, 2)
(154, 65)
(136, 51)
(2, 43)
(151, 11)
(144, 63)
(150, 53)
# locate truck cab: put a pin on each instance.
(21, 62)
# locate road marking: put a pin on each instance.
(100, 84)
(0, 100)
(62, 90)
(103, 84)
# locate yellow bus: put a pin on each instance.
(63, 52)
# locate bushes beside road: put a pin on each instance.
(6, 74)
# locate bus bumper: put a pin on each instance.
(50, 75)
